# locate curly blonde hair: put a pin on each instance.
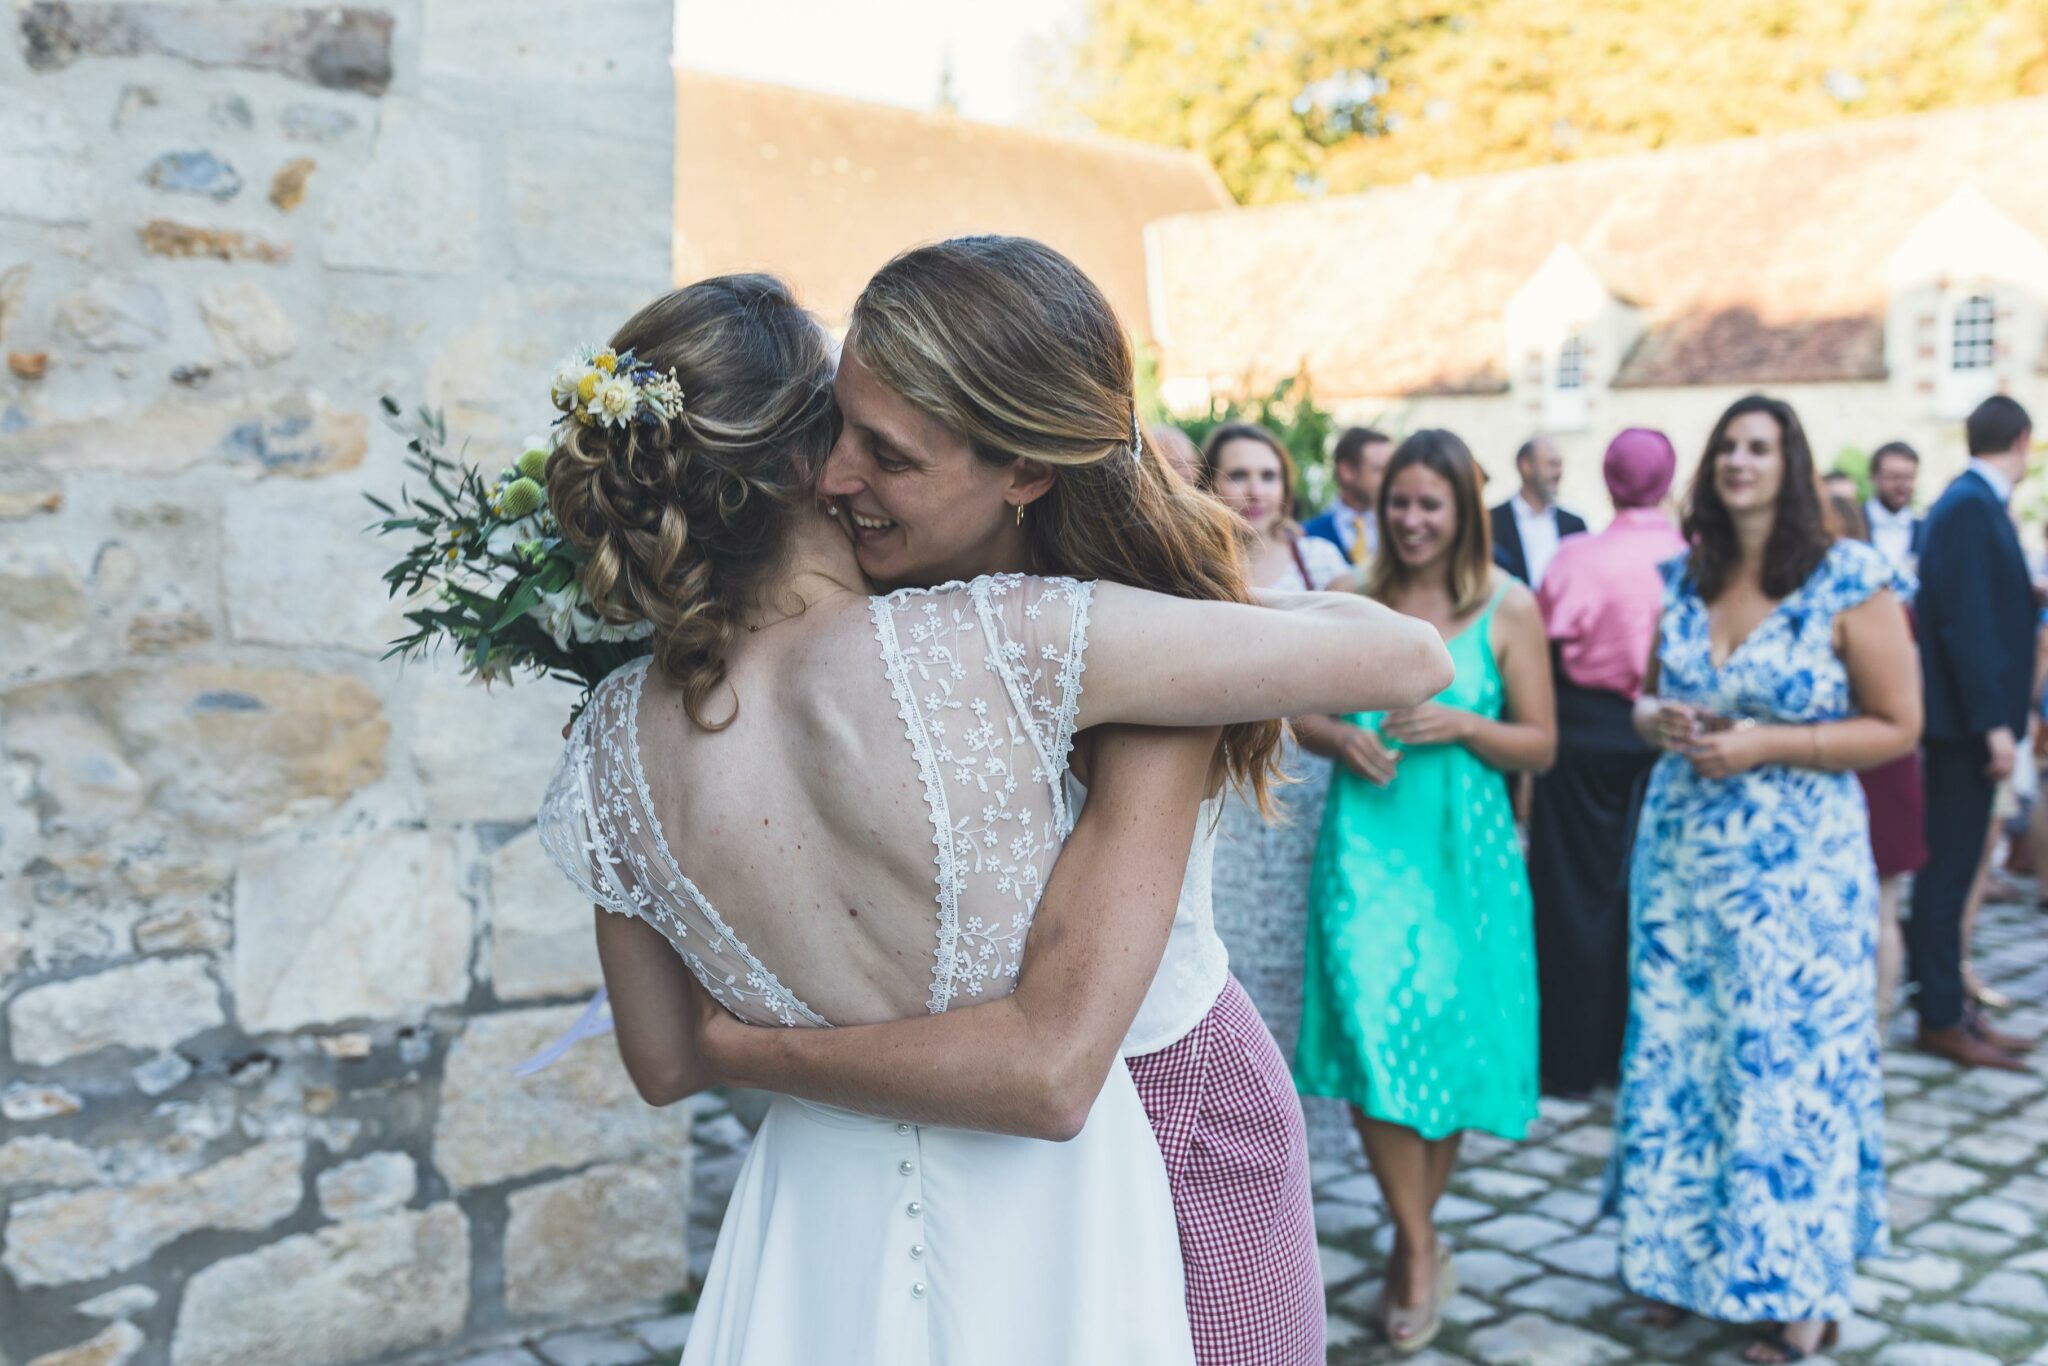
(683, 519)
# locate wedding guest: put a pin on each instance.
(1894, 526)
(1259, 876)
(1840, 484)
(1599, 600)
(1528, 527)
(1178, 449)
(1749, 1133)
(1419, 1006)
(1249, 469)
(1898, 842)
(1977, 615)
(1358, 464)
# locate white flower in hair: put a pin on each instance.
(616, 401)
(564, 390)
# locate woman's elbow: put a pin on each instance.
(1426, 669)
(663, 1084)
(1063, 1095)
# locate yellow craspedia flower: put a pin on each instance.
(606, 360)
(533, 464)
(587, 386)
(523, 497)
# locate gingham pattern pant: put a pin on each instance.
(1223, 1106)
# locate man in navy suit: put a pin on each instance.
(1977, 618)
(1351, 523)
(1894, 527)
(1528, 526)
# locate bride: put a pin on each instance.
(839, 809)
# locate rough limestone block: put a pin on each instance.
(113, 1346)
(372, 1185)
(357, 1291)
(248, 324)
(498, 41)
(342, 49)
(612, 1236)
(38, 1160)
(198, 172)
(414, 209)
(227, 750)
(541, 939)
(495, 1126)
(486, 758)
(320, 585)
(46, 167)
(83, 1235)
(153, 1004)
(114, 314)
(42, 605)
(363, 926)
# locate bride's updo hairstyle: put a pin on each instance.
(683, 517)
(1007, 344)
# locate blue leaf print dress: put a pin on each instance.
(1748, 1166)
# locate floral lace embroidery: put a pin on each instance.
(991, 724)
(597, 824)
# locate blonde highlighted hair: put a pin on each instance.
(1007, 344)
(685, 518)
(1470, 563)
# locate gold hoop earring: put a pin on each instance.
(1020, 514)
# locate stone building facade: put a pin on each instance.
(274, 926)
(1882, 276)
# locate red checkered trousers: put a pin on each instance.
(1223, 1106)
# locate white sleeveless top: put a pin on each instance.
(850, 1238)
(1196, 963)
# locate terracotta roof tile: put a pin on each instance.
(1758, 260)
(823, 190)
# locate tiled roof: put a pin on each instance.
(1758, 260)
(823, 190)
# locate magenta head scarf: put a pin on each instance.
(1639, 467)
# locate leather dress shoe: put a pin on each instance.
(1974, 1021)
(1959, 1045)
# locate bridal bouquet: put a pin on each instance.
(491, 572)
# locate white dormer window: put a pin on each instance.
(1565, 408)
(1571, 364)
(1973, 334)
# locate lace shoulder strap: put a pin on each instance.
(987, 681)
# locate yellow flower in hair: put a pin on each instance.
(586, 388)
(606, 360)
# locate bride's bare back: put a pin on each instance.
(868, 838)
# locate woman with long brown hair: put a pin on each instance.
(1749, 1133)
(769, 802)
(990, 426)
(1419, 1006)
(1250, 471)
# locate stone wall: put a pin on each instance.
(273, 922)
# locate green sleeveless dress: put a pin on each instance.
(1419, 1004)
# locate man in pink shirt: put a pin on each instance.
(1601, 598)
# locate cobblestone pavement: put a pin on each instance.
(1967, 1284)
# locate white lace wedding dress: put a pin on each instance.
(859, 1241)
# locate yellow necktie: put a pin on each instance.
(1357, 539)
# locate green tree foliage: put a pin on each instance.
(1298, 97)
(1289, 411)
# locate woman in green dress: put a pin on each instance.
(1419, 1006)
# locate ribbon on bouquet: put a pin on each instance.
(596, 1019)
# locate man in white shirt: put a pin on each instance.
(1352, 522)
(1528, 526)
(1894, 526)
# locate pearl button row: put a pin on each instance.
(914, 1210)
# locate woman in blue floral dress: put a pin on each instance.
(1749, 1153)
